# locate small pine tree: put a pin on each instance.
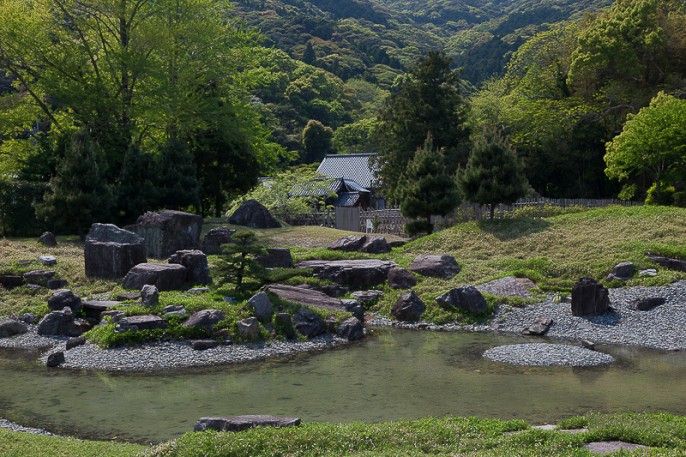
(79, 194)
(493, 174)
(427, 189)
(238, 260)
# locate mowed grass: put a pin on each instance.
(556, 251)
(18, 444)
(449, 436)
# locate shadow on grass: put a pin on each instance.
(511, 229)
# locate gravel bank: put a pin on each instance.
(179, 354)
(4, 423)
(663, 327)
(542, 354)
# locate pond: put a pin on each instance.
(394, 374)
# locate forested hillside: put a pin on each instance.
(374, 39)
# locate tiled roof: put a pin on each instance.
(353, 167)
(347, 199)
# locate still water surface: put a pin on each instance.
(395, 374)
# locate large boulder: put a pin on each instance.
(622, 271)
(212, 242)
(150, 296)
(408, 307)
(466, 298)
(438, 266)
(261, 307)
(351, 328)
(248, 328)
(48, 239)
(356, 274)
(254, 215)
(376, 245)
(167, 231)
(163, 276)
(64, 297)
(349, 243)
(110, 252)
(205, 319)
(240, 423)
(39, 277)
(276, 258)
(198, 271)
(589, 298)
(56, 323)
(400, 278)
(283, 324)
(9, 282)
(10, 327)
(308, 323)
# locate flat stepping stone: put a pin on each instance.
(606, 447)
(308, 297)
(508, 287)
(240, 423)
(546, 355)
(93, 308)
(144, 322)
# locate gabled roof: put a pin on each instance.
(352, 167)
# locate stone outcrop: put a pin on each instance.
(56, 323)
(357, 274)
(206, 319)
(93, 309)
(308, 323)
(589, 298)
(213, 240)
(240, 423)
(437, 266)
(348, 243)
(163, 276)
(305, 296)
(538, 327)
(276, 258)
(64, 297)
(367, 297)
(667, 262)
(375, 245)
(150, 295)
(40, 277)
(249, 328)
(408, 307)
(110, 252)
(261, 307)
(400, 278)
(142, 322)
(9, 327)
(466, 298)
(254, 215)
(195, 261)
(48, 239)
(351, 328)
(10, 282)
(622, 271)
(167, 231)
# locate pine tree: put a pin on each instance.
(79, 193)
(178, 186)
(427, 189)
(137, 191)
(493, 174)
(238, 260)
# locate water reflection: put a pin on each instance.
(393, 375)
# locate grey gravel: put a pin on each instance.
(180, 354)
(543, 354)
(4, 423)
(663, 327)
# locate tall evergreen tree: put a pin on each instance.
(79, 193)
(427, 189)
(317, 141)
(137, 191)
(493, 174)
(178, 185)
(428, 102)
